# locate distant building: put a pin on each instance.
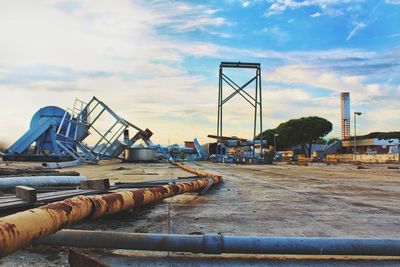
(319, 151)
(372, 145)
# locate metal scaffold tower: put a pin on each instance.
(255, 101)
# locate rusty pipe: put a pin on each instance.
(20, 229)
(120, 201)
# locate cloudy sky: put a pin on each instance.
(156, 62)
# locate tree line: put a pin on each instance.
(304, 132)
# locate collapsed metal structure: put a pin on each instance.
(62, 135)
(21, 229)
(255, 102)
(80, 134)
(173, 152)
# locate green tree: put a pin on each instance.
(321, 141)
(304, 132)
(268, 135)
(332, 139)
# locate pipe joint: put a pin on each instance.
(212, 243)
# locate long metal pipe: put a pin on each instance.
(59, 165)
(20, 229)
(217, 244)
(11, 182)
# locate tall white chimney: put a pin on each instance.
(345, 114)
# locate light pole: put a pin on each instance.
(275, 136)
(355, 129)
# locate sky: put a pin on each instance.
(156, 62)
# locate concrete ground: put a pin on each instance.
(272, 200)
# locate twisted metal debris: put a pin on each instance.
(19, 230)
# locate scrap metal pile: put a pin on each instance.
(239, 150)
(87, 132)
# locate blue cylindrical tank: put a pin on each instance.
(56, 115)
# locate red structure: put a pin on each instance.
(189, 144)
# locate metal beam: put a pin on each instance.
(255, 101)
(238, 91)
(240, 65)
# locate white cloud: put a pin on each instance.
(362, 24)
(315, 15)
(373, 99)
(276, 34)
(279, 6)
(145, 80)
(394, 35)
(284, 96)
(394, 2)
(98, 35)
(313, 77)
(245, 3)
(3, 73)
(120, 39)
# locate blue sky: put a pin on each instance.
(156, 62)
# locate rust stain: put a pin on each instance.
(138, 195)
(59, 206)
(79, 259)
(112, 200)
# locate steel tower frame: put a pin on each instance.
(255, 101)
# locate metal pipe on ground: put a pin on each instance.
(64, 164)
(11, 182)
(217, 244)
(20, 229)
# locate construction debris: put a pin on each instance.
(239, 150)
(20, 229)
(62, 135)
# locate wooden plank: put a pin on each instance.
(96, 184)
(26, 193)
